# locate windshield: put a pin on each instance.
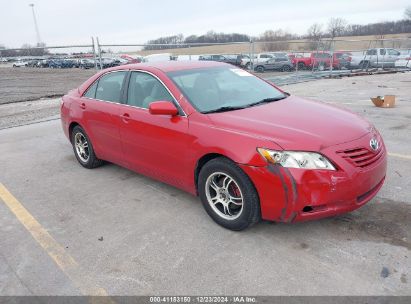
(225, 88)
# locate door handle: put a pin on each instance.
(83, 106)
(125, 117)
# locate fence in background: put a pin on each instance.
(310, 59)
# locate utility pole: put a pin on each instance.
(35, 25)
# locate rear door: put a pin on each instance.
(100, 106)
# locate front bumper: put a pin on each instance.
(292, 195)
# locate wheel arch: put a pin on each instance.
(72, 125)
(202, 161)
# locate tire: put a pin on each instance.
(91, 161)
(286, 68)
(321, 66)
(260, 69)
(301, 66)
(213, 176)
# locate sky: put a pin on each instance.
(136, 21)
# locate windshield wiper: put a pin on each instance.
(231, 108)
(225, 109)
(266, 100)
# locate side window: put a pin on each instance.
(393, 52)
(382, 52)
(109, 86)
(372, 52)
(143, 89)
(91, 91)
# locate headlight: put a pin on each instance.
(294, 159)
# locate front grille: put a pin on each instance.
(362, 157)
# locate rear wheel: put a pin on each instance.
(83, 149)
(228, 195)
(260, 69)
(301, 66)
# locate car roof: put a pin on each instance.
(171, 66)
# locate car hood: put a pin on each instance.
(295, 123)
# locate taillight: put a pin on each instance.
(408, 58)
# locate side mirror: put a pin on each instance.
(162, 108)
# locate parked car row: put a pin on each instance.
(279, 61)
(83, 63)
(321, 60)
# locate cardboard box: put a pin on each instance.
(388, 101)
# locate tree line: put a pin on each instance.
(210, 37)
(336, 27)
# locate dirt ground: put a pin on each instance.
(26, 84)
(30, 94)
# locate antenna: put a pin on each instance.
(35, 25)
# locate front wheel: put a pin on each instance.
(83, 149)
(228, 195)
(286, 68)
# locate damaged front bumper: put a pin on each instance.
(292, 195)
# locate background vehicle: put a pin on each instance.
(283, 64)
(376, 58)
(187, 57)
(158, 57)
(341, 59)
(20, 63)
(60, 64)
(33, 63)
(233, 59)
(259, 58)
(404, 60)
(318, 60)
(43, 63)
(321, 60)
(86, 64)
(130, 59)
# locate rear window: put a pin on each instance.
(110, 86)
(91, 91)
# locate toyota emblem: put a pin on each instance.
(374, 144)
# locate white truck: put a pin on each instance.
(375, 58)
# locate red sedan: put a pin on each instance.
(248, 149)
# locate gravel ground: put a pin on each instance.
(27, 84)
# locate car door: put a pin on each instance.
(100, 106)
(155, 145)
(270, 64)
(392, 57)
(372, 57)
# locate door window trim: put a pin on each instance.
(97, 82)
(181, 111)
(124, 91)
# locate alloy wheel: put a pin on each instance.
(82, 148)
(224, 195)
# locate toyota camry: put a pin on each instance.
(249, 150)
